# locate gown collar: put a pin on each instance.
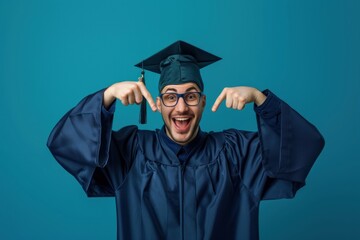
(176, 148)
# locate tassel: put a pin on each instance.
(142, 117)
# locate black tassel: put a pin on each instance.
(142, 117)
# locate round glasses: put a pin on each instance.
(171, 99)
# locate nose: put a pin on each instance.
(181, 106)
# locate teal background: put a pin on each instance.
(53, 53)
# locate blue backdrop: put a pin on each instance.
(53, 53)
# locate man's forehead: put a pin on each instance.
(181, 87)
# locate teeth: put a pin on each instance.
(181, 119)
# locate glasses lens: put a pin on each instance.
(169, 99)
(192, 98)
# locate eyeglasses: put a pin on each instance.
(171, 99)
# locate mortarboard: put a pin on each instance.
(178, 63)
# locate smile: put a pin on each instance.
(181, 119)
(182, 124)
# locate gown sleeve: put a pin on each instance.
(275, 162)
(81, 143)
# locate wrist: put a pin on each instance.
(108, 97)
(259, 98)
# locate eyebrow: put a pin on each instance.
(174, 90)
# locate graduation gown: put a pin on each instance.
(211, 190)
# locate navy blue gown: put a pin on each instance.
(210, 189)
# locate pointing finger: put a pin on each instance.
(147, 96)
(218, 101)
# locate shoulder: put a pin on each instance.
(134, 131)
(133, 139)
(232, 134)
(125, 132)
(235, 139)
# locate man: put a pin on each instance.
(180, 182)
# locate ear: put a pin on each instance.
(158, 104)
(203, 101)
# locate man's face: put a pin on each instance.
(181, 121)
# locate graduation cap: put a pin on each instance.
(178, 63)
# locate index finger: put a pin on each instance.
(218, 101)
(147, 96)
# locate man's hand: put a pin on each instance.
(128, 93)
(238, 97)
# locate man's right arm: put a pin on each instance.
(78, 140)
(81, 140)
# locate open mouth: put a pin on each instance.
(182, 124)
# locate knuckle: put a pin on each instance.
(124, 95)
(241, 99)
(133, 87)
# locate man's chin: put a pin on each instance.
(183, 138)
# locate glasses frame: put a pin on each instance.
(178, 96)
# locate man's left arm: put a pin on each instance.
(289, 143)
